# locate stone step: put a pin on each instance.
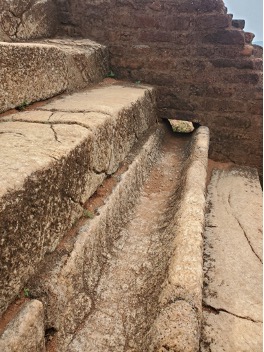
(150, 210)
(27, 20)
(53, 158)
(233, 264)
(36, 71)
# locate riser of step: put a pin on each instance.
(52, 162)
(36, 71)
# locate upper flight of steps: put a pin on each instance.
(39, 70)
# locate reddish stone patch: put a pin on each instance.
(216, 165)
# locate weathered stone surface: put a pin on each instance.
(127, 291)
(258, 51)
(227, 37)
(24, 19)
(249, 37)
(39, 200)
(176, 329)
(68, 284)
(25, 332)
(227, 333)
(32, 72)
(233, 261)
(181, 297)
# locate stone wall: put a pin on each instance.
(199, 58)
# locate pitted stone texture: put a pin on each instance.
(39, 199)
(87, 61)
(25, 19)
(26, 330)
(176, 329)
(32, 72)
(125, 290)
(233, 260)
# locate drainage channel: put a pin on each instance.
(125, 303)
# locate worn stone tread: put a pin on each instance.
(52, 162)
(45, 69)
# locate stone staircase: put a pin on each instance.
(102, 206)
(55, 157)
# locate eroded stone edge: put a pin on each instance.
(182, 289)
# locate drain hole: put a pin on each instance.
(49, 334)
(181, 126)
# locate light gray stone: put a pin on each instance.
(224, 332)
(67, 285)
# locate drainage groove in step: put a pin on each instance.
(125, 299)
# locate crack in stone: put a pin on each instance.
(249, 241)
(92, 310)
(76, 111)
(48, 122)
(55, 134)
(245, 234)
(217, 311)
(50, 116)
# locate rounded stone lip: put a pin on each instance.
(183, 285)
